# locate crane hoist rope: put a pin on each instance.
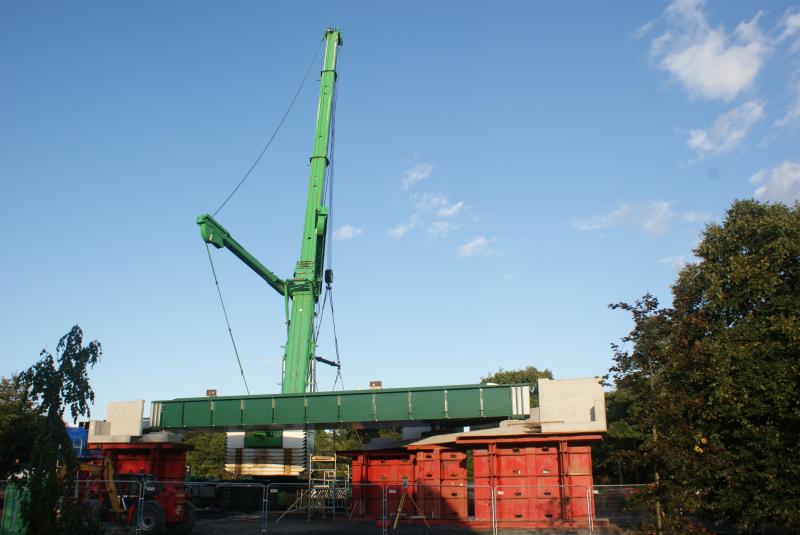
(227, 320)
(328, 190)
(275, 132)
(302, 290)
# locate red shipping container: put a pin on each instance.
(547, 487)
(453, 470)
(512, 465)
(546, 465)
(545, 509)
(512, 510)
(577, 508)
(455, 508)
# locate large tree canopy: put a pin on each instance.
(19, 419)
(55, 383)
(528, 374)
(715, 379)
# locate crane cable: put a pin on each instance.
(274, 133)
(336, 344)
(329, 289)
(328, 196)
(232, 193)
(227, 321)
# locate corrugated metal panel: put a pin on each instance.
(467, 403)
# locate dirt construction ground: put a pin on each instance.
(244, 524)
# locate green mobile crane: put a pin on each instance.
(296, 410)
(302, 291)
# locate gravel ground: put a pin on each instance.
(250, 524)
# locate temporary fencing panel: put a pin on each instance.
(623, 505)
(292, 505)
(541, 506)
(443, 503)
(244, 503)
(96, 496)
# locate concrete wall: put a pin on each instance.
(124, 422)
(572, 405)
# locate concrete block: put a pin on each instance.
(126, 417)
(572, 405)
(235, 440)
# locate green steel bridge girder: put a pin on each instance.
(456, 405)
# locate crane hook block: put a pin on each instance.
(328, 276)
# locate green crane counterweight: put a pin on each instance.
(301, 292)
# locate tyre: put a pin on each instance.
(187, 524)
(152, 520)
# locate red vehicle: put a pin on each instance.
(112, 485)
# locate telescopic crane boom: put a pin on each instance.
(301, 292)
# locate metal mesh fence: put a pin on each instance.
(296, 507)
(431, 504)
(240, 508)
(622, 505)
(544, 506)
(222, 506)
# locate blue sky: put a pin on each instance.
(503, 172)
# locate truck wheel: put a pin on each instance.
(187, 524)
(152, 518)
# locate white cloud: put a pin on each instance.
(440, 229)
(676, 263)
(643, 30)
(428, 201)
(793, 113)
(790, 24)
(779, 184)
(695, 217)
(429, 210)
(402, 229)
(709, 62)
(728, 130)
(652, 217)
(347, 232)
(791, 28)
(450, 211)
(416, 174)
(479, 245)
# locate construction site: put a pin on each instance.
(494, 457)
(470, 457)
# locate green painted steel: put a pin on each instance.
(304, 288)
(215, 234)
(457, 404)
(12, 522)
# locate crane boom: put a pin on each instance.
(304, 288)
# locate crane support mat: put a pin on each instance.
(373, 408)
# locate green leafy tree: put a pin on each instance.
(207, 459)
(18, 422)
(722, 367)
(329, 440)
(621, 457)
(55, 383)
(528, 374)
